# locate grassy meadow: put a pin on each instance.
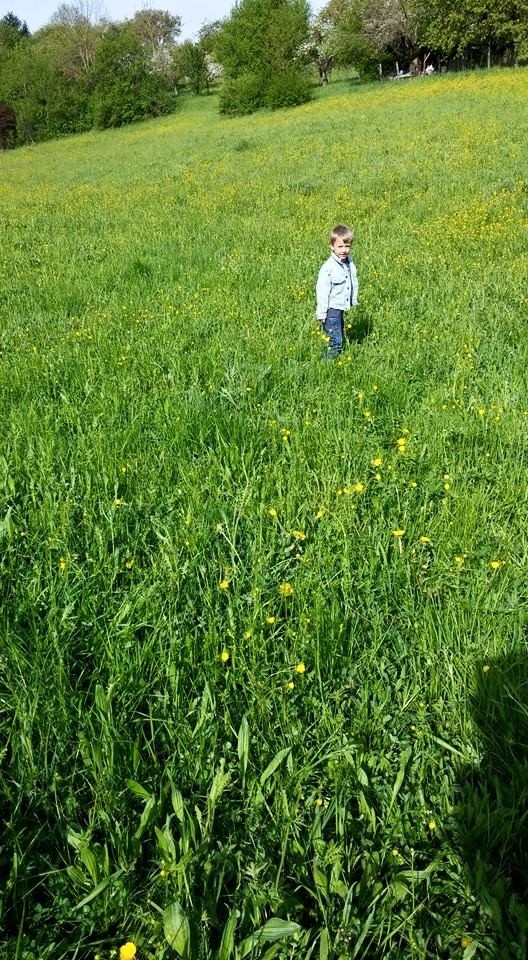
(264, 684)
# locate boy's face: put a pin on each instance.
(341, 247)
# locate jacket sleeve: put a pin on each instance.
(355, 284)
(322, 291)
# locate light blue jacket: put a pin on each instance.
(337, 286)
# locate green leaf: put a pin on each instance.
(276, 762)
(136, 788)
(243, 746)
(176, 929)
(177, 803)
(101, 700)
(145, 817)
(274, 929)
(99, 889)
(324, 945)
(227, 944)
(401, 775)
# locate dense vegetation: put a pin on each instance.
(263, 631)
(80, 71)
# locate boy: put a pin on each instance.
(336, 289)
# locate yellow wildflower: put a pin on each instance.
(272, 512)
(223, 585)
(270, 619)
(62, 564)
(358, 487)
(118, 502)
(300, 667)
(432, 825)
(377, 462)
(224, 656)
(298, 534)
(290, 685)
(286, 590)
(485, 668)
(465, 942)
(496, 564)
(425, 539)
(320, 513)
(398, 533)
(127, 951)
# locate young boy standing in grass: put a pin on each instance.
(336, 289)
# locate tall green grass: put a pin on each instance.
(195, 759)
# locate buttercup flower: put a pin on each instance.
(127, 951)
(300, 667)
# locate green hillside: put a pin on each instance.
(264, 680)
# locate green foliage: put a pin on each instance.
(263, 636)
(242, 94)
(192, 63)
(12, 31)
(261, 39)
(126, 87)
(288, 87)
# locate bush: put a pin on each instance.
(288, 88)
(242, 94)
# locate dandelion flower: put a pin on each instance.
(432, 825)
(224, 656)
(270, 619)
(272, 512)
(127, 951)
(298, 534)
(290, 685)
(377, 462)
(358, 487)
(286, 590)
(496, 564)
(300, 667)
(320, 513)
(398, 533)
(62, 564)
(425, 539)
(223, 585)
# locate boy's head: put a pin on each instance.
(341, 238)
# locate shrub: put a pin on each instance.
(242, 95)
(288, 88)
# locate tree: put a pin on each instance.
(127, 88)
(456, 27)
(320, 46)
(75, 29)
(12, 31)
(257, 47)
(192, 62)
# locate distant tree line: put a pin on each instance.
(81, 71)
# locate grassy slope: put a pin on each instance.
(162, 390)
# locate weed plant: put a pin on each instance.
(264, 676)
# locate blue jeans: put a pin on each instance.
(334, 328)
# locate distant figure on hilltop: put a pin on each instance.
(336, 289)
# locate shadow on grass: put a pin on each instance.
(493, 810)
(361, 326)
